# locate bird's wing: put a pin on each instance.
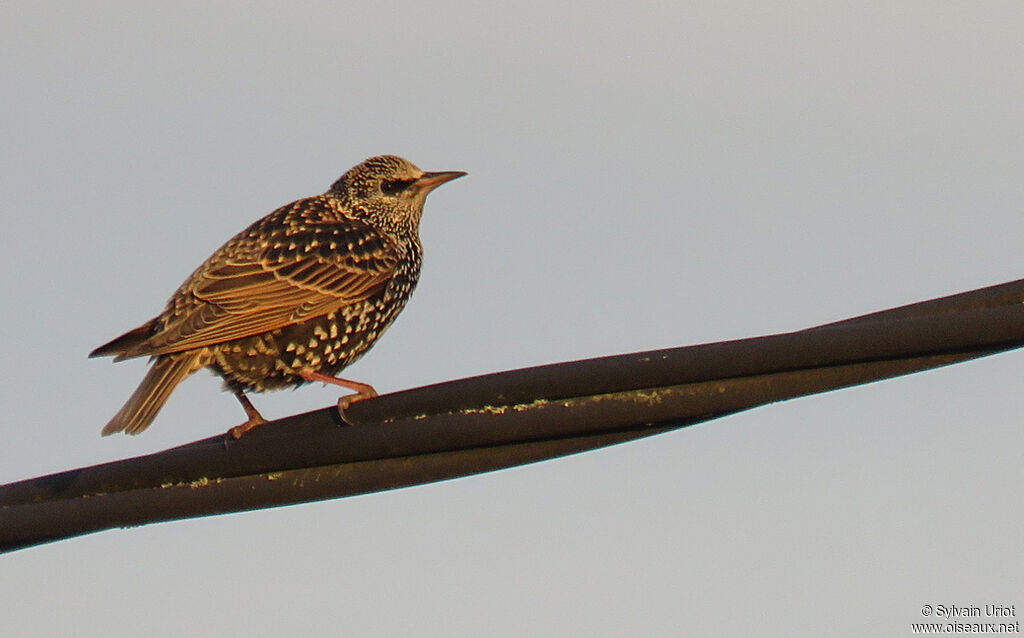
(248, 291)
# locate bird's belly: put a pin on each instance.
(274, 360)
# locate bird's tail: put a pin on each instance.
(130, 344)
(140, 410)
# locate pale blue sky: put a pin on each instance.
(641, 175)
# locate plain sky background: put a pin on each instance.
(641, 175)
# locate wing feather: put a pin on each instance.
(317, 270)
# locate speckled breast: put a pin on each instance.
(325, 344)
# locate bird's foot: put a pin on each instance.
(363, 391)
(255, 418)
(349, 399)
(237, 431)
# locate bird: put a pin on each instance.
(294, 298)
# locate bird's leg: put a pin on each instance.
(362, 390)
(255, 418)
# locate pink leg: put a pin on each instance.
(255, 418)
(362, 390)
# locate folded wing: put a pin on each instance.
(251, 290)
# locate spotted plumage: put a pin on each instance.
(294, 298)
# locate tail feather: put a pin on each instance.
(144, 404)
(127, 345)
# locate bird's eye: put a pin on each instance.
(395, 186)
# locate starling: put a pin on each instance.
(295, 297)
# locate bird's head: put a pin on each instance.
(389, 189)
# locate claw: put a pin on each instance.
(237, 431)
(255, 418)
(349, 399)
(363, 391)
